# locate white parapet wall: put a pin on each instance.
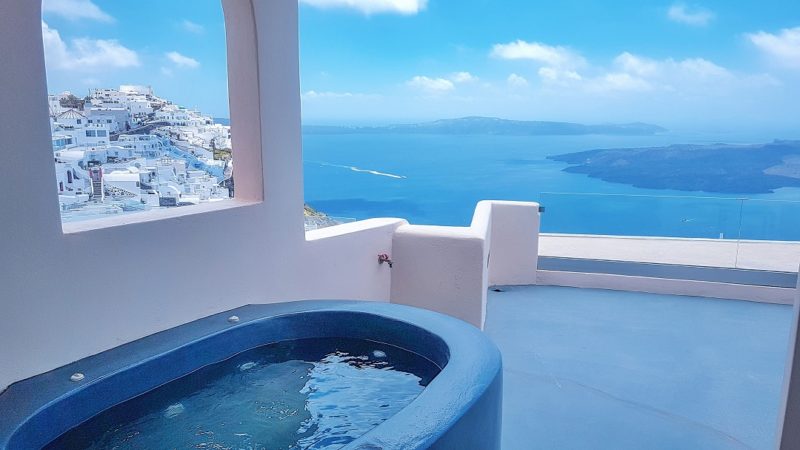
(344, 259)
(654, 285)
(71, 292)
(449, 269)
(692, 255)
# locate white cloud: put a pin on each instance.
(431, 85)
(552, 56)
(619, 81)
(783, 48)
(85, 54)
(702, 68)
(517, 81)
(463, 77)
(554, 75)
(637, 65)
(698, 76)
(407, 7)
(76, 10)
(697, 68)
(559, 64)
(695, 15)
(191, 27)
(556, 82)
(313, 95)
(182, 61)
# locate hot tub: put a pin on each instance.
(457, 405)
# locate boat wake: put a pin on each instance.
(357, 169)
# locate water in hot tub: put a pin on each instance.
(302, 394)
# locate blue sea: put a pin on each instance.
(438, 179)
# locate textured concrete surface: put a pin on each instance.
(619, 370)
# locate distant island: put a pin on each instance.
(721, 168)
(493, 126)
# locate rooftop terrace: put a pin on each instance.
(587, 368)
(584, 368)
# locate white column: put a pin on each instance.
(449, 269)
(789, 418)
(514, 255)
(441, 269)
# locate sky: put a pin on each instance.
(713, 65)
(176, 46)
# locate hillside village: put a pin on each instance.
(123, 150)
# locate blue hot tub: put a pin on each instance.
(398, 377)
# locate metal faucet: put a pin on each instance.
(384, 258)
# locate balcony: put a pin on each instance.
(619, 337)
(586, 368)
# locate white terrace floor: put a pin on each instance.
(593, 369)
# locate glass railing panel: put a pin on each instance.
(771, 220)
(641, 215)
(731, 233)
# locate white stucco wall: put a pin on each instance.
(133, 276)
(514, 255)
(346, 260)
(138, 278)
(442, 269)
(449, 269)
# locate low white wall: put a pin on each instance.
(689, 253)
(345, 260)
(442, 269)
(449, 269)
(694, 288)
(778, 256)
(67, 296)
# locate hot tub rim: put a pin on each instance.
(473, 365)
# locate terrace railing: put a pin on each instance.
(738, 232)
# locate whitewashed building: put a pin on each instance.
(98, 116)
(71, 118)
(62, 141)
(174, 115)
(133, 89)
(142, 145)
(123, 184)
(118, 113)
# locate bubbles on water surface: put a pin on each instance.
(174, 410)
(248, 365)
(310, 394)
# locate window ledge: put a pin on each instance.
(152, 216)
